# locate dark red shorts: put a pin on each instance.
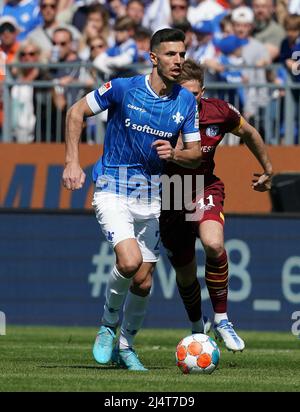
(179, 231)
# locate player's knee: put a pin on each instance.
(129, 266)
(213, 248)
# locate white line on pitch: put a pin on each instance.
(267, 305)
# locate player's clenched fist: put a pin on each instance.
(73, 176)
(164, 149)
(263, 182)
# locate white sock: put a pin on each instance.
(198, 326)
(116, 289)
(220, 316)
(134, 313)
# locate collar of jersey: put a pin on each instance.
(153, 92)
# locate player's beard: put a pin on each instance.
(168, 79)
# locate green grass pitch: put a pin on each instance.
(60, 359)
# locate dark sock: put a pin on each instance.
(191, 297)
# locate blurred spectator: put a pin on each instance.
(157, 15)
(98, 19)
(42, 35)
(281, 10)
(204, 10)
(97, 24)
(233, 4)
(97, 46)
(67, 8)
(116, 59)
(63, 39)
(226, 27)
(26, 13)
(223, 19)
(231, 54)
(290, 44)
(116, 9)
(136, 10)
(289, 56)
(9, 44)
(142, 39)
(179, 9)
(64, 96)
(203, 48)
(8, 50)
(26, 98)
(80, 15)
(256, 54)
(266, 29)
(82, 9)
(185, 26)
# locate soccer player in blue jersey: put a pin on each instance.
(146, 114)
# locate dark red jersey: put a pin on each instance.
(216, 118)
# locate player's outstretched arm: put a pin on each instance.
(73, 176)
(190, 156)
(255, 143)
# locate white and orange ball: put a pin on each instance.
(197, 353)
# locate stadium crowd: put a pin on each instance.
(114, 37)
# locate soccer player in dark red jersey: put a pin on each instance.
(179, 235)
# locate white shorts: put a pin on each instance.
(122, 217)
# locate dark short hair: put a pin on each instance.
(64, 29)
(7, 26)
(166, 35)
(192, 71)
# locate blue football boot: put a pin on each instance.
(103, 345)
(128, 359)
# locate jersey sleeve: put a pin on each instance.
(190, 130)
(233, 119)
(107, 95)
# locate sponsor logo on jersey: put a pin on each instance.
(103, 89)
(177, 118)
(207, 149)
(139, 109)
(212, 131)
(145, 128)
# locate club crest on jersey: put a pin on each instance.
(177, 118)
(110, 236)
(103, 89)
(212, 131)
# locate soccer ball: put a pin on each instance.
(197, 353)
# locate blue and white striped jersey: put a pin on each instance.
(137, 117)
